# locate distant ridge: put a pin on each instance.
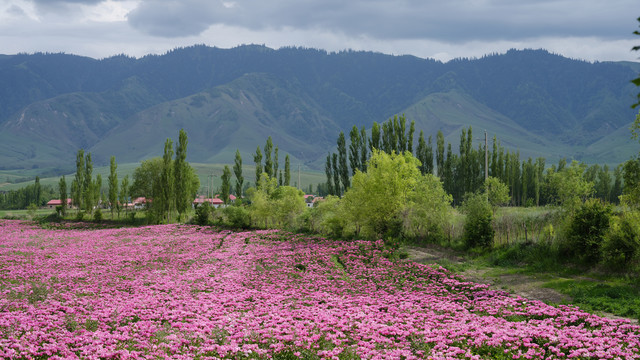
(537, 102)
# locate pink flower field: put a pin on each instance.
(183, 292)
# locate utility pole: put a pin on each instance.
(298, 176)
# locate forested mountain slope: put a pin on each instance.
(541, 103)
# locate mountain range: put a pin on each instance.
(533, 101)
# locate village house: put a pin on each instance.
(57, 202)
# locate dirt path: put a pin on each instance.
(518, 284)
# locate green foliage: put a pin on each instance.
(237, 216)
(622, 243)
(631, 193)
(113, 185)
(570, 186)
(497, 192)
(97, 215)
(237, 170)
(586, 231)
(203, 214)
(225, 190)
(478, 230)
(31, 210)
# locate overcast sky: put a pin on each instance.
(594, 30)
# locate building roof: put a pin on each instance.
(56, 202)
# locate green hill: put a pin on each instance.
(226, 99)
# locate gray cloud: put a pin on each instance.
(452, 20)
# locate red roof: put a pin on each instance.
(202, 200)
(56, 202)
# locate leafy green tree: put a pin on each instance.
(570, 186)
(587, 229)
(37, 192)
(257, 158)
(97, 190)
(328, 171)
(374, 142)
(440, 154)
(276, 162)
(165, 200)
(354, 149)
(391, 177)
(421, 153)
(478, 230)
(77, 190)
(62, 188)
(497, 192)
(287, 171)
(342, 159)
(237, 170)
(268, 162)
(336, 175)
(113, 186)
(182, 198)
(428, 210)
(226, 184)
(364, 154)
(89, 199)
(631, 191)
(124, 192)
(412, 130)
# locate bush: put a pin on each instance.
(237, 216)
(478, 231)
(586, 231)
(97, 215)
(203, 212)
(622, 243)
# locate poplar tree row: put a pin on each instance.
(271, 164)
(530, 182)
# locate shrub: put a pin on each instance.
(237, 216)
(203, 213)
(587, 229)
(478, 231)
(97, 215)
(622, 243)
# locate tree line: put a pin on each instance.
(35, 194)
(529, 181)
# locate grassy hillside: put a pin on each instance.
(536, 102)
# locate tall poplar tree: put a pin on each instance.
(374, 142)
(237, 170)
(287, 171)
(342, 157)
(225, 190)
(62, 189)
(77, 190)
(167, 198)
(182, 197)
(336, 175)
(364, 154)
(354, 149)
(412, 130)
(113, 185)
(124, 192)
(440, 154)
(257, 158)
(421, 153)
(276, 162)
(328, 171)
(268, 162)
(87, 187)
